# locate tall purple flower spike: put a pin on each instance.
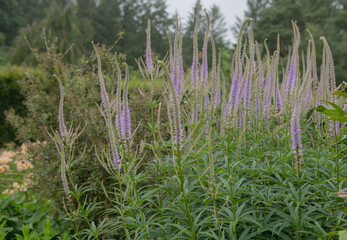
(298, 97)
(125, 117)
(106, 103)
(260, 82)
(238, 101)
(292, 78)
(62, 126)
(247, 97)
(195, 66)
(122, 116)
(64, 136)
(179, 60)
(250, 71)
(204, 76)
(313, 63)
(176, 60)
(215, 74)
(296, 133)
(236, 78)
(204, 65)
(149, 61)
(174, 106)
(268, 84)
(277, 92)
(118, 105)
(330, 82)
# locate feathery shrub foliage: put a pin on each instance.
(252, 162)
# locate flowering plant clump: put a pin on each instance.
(248, 162)
(15, 167)
(5, 158)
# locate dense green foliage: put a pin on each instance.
(24, 213)
(10, 98)
(336, 113)
(258, 192)
(23, 217)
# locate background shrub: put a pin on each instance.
(82, 97)
(10, 98)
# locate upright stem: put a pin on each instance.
(212, 181)
(121, 206)
(186, 204)
(140, 209)
(299, 207)
(230, 183)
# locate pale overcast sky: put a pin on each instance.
(229, 8)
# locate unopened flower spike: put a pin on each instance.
(277, 92)
(195, 65)
(62, 126)
(149, 62)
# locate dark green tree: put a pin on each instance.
(10, 20)
(71, 34)
(15, 14)
(277, 19)
(134, 16)
(322, 17)
(217, 25)
(107, 21)
(161, 23)
(336, 29)
(254, 9)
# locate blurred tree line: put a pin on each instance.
(321, 17)
(75, 23)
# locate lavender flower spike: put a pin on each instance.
(295, 120)
(278, 99)
(250, 73)
(292, 80)
(62, 127)
(215, 74)
(195, 65)
(126, 123)
(176, 61)
(63, 135)
(296, 134)
(149, 61)
(111, 131)
(236, 77)
(175, 106)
